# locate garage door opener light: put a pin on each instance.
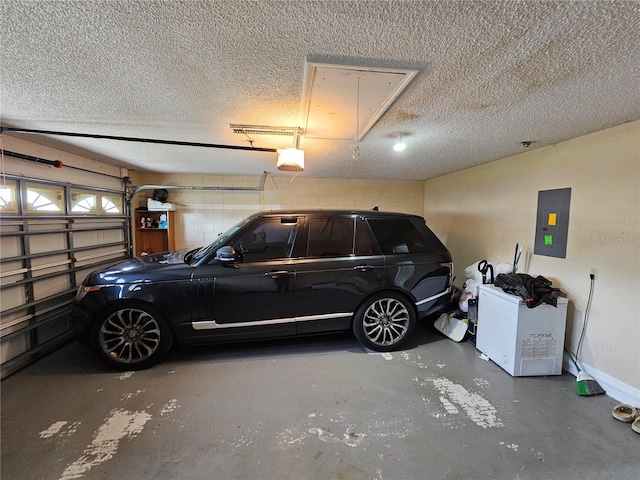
(291, 159)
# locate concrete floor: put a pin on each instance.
(314, 408)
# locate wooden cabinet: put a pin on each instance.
(153, 232)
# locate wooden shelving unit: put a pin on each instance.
(154, 236)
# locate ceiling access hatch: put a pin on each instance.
(342, 102)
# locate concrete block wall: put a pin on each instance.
(202, 215)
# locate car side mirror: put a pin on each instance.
(226, 254)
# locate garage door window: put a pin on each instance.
(44, 199)
(95, 203)
(8, 198)
(111, 204)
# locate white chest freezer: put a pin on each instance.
(523, 341)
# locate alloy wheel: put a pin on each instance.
(129, 336)
(386, 321)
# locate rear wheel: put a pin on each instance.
(132, 337)
(384, 322)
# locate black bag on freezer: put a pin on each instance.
(533, 291)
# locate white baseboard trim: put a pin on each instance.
(615, 389)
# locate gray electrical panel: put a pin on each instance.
(552, 223)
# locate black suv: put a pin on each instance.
(274, 274)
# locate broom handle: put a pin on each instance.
(571, 357)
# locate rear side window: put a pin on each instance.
(330, 237)
(402, 235)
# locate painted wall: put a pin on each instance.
(480, 213)
(82, 174)
(203, 215)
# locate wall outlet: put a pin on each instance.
(593, 271)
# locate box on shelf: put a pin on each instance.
(156, 206)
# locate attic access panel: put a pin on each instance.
(337, 97)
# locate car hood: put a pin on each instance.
(147, 268)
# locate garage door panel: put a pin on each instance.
(47, 242)
(12, 271)
(14, 321)
(113, 234)
(47, 225)
(50, 286)
(99, 256)
(45, 264)
(10, 246)
(14, 347)
(45, 253)
(54, 329)
(12, 297)
(52, 318)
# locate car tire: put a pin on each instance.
(131, 337)
(384, 322)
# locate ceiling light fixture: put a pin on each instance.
(399, 146)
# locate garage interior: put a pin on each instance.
(101, 103)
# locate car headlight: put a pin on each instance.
(84, 289)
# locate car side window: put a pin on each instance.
(330, 237)
(269, 240)
(399, 235)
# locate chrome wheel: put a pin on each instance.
(386, 322)
(129, 336)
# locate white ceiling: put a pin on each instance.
(492, 74)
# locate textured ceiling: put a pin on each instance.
(492, 74)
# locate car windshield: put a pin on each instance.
(175, 256)
(204, 251)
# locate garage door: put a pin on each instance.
(52, 236)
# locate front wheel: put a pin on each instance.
(384, 322)
(132, 337)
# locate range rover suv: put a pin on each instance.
(274, 274)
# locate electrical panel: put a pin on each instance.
(552, 223)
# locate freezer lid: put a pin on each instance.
(497, 291)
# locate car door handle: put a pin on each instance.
(362, 268)
(276, 273)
